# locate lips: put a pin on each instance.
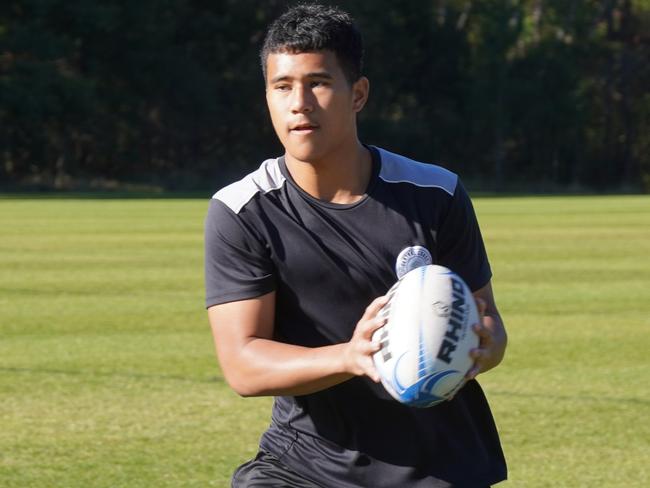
(304, 127)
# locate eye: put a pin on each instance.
(282, 87)
(317, 83)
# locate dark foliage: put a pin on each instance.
(533, 94)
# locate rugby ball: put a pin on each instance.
(428, 335)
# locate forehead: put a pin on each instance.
(298, 65)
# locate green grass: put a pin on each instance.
(572, 278)
(108, 376)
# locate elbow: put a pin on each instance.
(245, 374)
(244, 391)
(501, 338)
(502, 341)
(244, 386)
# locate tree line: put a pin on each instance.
(513, 94)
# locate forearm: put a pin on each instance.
(494, 323)
(254, 364)
(267, 367)
(493, 338)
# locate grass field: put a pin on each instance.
(108, 377)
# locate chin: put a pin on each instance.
(306, 153)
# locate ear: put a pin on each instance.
(360, 91)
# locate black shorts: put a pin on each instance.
(266, 471)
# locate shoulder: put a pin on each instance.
(268, 177)
(400, 169)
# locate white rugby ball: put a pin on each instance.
(428, 335)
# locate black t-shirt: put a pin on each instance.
(326, 263)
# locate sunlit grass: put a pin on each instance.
(572, 277)
(108, 376)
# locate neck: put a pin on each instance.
(340, 177)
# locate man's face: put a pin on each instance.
(312, 105)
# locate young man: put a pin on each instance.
(297, 253)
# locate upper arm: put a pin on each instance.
(459, 241)
(235, 324)
(237, 262)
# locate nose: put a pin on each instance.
(302, 100)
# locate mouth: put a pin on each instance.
(304, 128)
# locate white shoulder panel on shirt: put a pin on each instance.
(400, 169)
(266, 178)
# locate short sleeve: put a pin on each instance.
(237, 262)
(460, 244)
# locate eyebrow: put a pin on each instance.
(315, 74)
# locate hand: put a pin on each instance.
(492, 341)
(359, 350)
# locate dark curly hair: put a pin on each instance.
(314, 27)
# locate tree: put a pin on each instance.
(531, 94)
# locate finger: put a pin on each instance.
(368, 327)
(471, 374)
(375, 306)
(477, 354)
(483, 332)
(371, 347)
(371, 371)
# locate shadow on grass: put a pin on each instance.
(219, 379)
(587, 398)
(114, 374)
